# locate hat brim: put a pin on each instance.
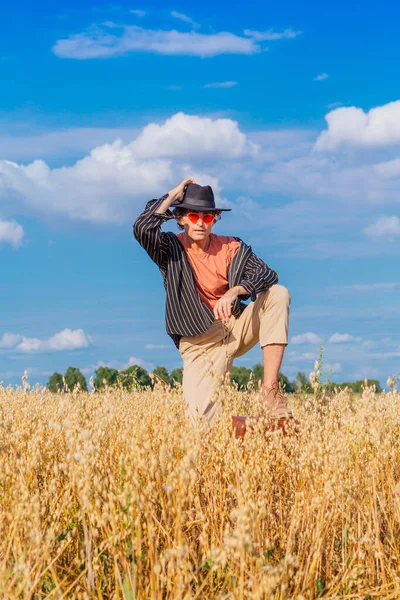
(198, 208)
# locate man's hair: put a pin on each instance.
(179, 212)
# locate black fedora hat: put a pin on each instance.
(199, 198)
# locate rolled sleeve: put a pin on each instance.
(155, 205)
(147, 231)
(257, 276)
(251, 289)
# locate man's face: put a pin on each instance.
(198, 225)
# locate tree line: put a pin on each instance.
(136, 377)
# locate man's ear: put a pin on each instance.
(179, 221)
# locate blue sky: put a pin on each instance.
(291, 112)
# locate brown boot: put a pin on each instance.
(274, 403)
(279, 416)
(283, 424)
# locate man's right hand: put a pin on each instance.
(176, 194)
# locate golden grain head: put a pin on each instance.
(115, 495)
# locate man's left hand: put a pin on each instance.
(223, 307)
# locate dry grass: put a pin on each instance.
(112, 495)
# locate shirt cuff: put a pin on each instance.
(167, 215)
(250, 288)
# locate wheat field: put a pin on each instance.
(116, 495)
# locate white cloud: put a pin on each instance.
(134, 360)
(306, 338)
(271, 35)
(104, 185)
(11, 233)
(341, 359)
(99, 43)
(388, 170)
(313, 191)
(385, 227)
(138, 12)
(184, 18)
(321, 77)
(340, 338)
(380, 126)
(191, 136)
(329, 186)
(66, 339)
(222, 84)
(10, 340)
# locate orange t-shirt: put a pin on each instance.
(211, 267)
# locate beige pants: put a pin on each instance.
(208, 357)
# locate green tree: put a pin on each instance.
(176, 376)
(302, 384)
(287, 385)
(357, 386)
(162, 373)
(72, 377)
(104, 374)
(376, 383)
(134, 377)
(258, 374)
(241, 376)
(55, 382)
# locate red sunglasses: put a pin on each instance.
(206, 218)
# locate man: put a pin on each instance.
(207, 277)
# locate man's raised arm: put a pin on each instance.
(147, 227)
(175, 195)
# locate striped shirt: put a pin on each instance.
(185, 313)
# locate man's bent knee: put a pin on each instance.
(277, 293)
